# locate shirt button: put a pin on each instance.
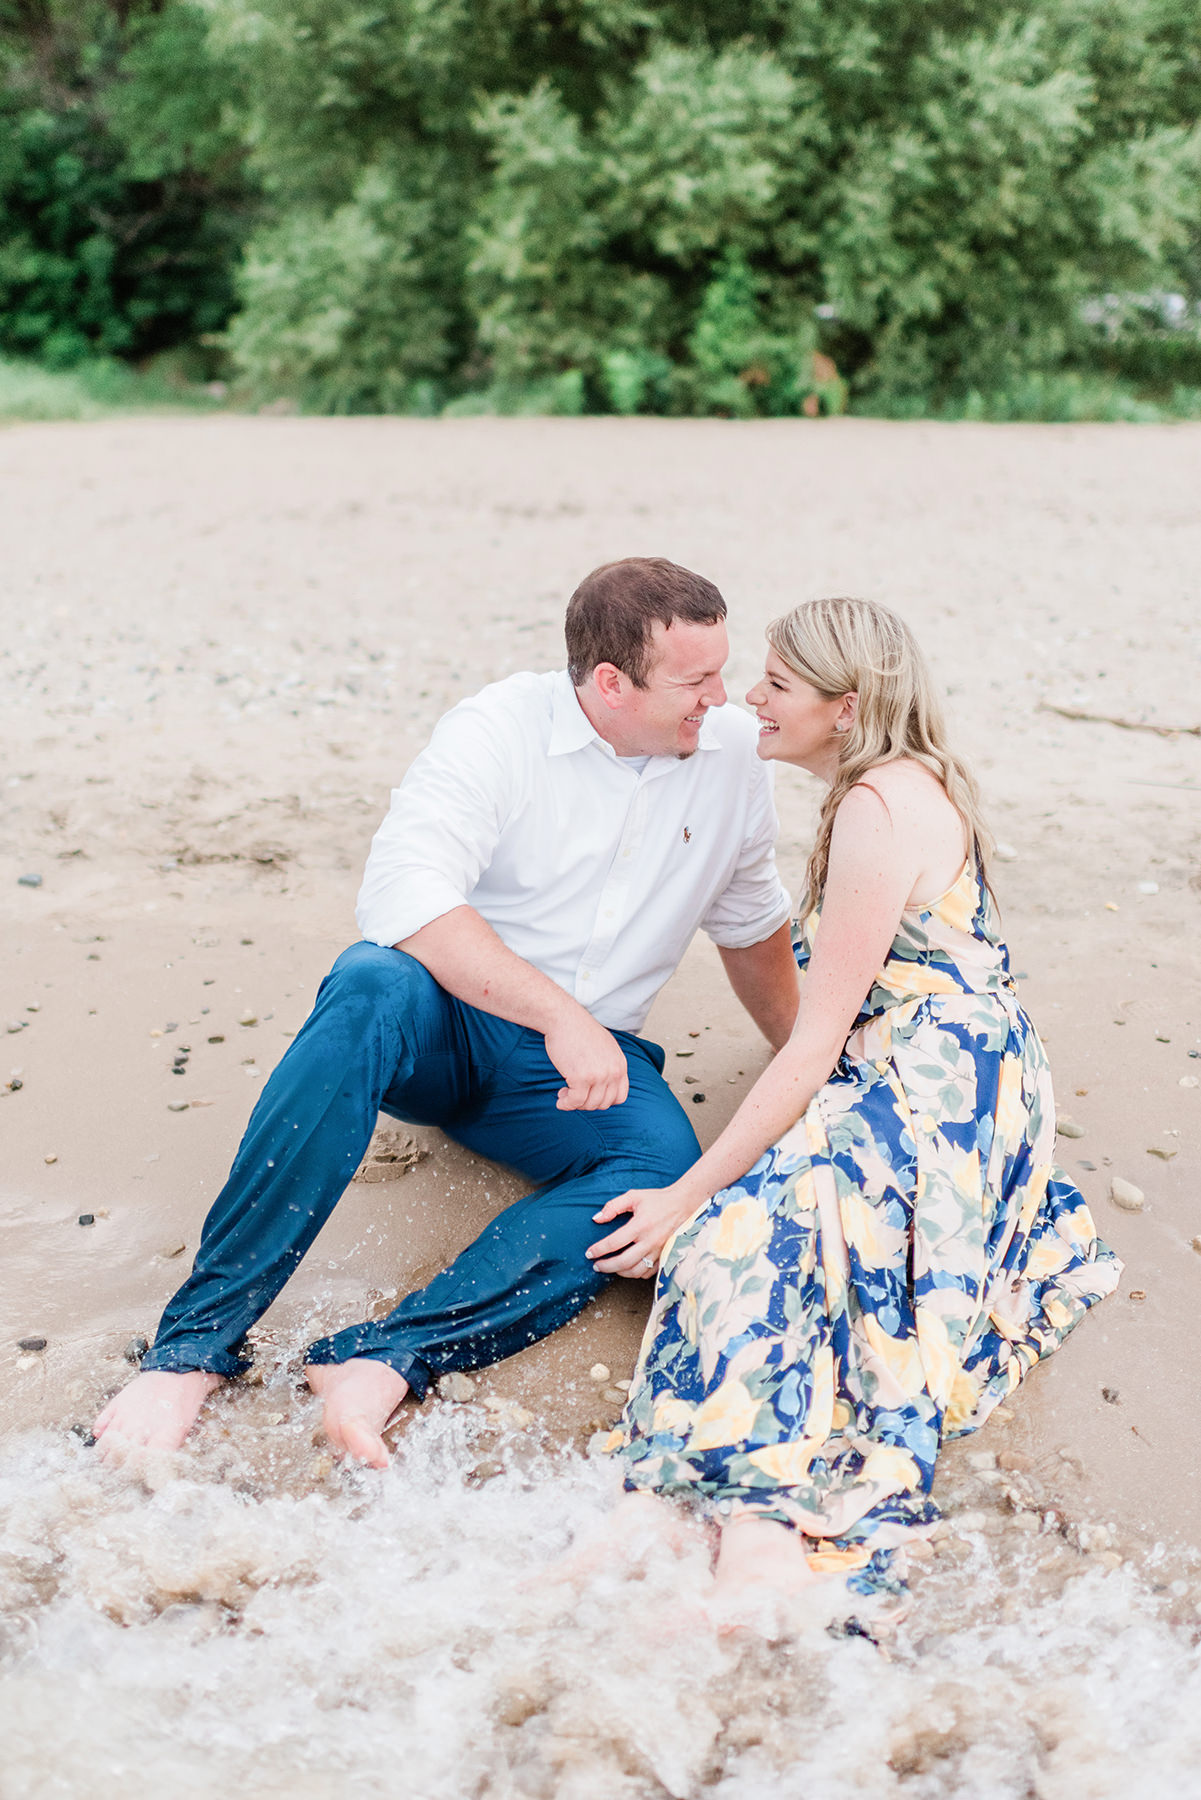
(626, 854)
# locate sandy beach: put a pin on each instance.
(224, 641)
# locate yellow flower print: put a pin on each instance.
(957, 907)
(726, 1417)
(939, 1360)
(894, 1468)
(1012, 1116)
(901, 1356)
(787, 1464)
(742, 1231)
(672, 1415)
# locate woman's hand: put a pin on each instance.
(635, 1247)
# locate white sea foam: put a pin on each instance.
(251, 1626)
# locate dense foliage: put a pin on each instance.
(122, 200)
(743, 206)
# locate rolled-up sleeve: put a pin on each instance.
(754, 902)
(440, 831)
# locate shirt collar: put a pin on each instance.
(571, 729)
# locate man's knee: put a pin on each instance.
(368, 974)
(662, 1148)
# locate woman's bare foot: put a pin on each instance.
(763, 1553)
(156, 1411)
(360, 1398)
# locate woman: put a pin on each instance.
(877, 1247)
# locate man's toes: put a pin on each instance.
(363, 1444)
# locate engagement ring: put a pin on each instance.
(648, 1262)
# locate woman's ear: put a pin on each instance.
(845, 716)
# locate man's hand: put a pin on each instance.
(591, 1062)
(635, 1247)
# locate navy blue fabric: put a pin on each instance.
(383, 1036)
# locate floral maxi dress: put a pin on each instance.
(885, 1274)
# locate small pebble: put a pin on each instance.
(1197, 1245)
(484, 1472)
(691, 1080)
(218, 1039)
(981, 1460)
(15, 1085)
(321, 1468)
(623, 1387)
(1109, 1559)
(599, 1372)
(274, 1419)
(1148, 887)
(699, 1099)
(1125, 1196)
(1110, 906)
(694, 1034)
(1188, 1081)
(177, 1106)
(29, 881)
(170, 1251)
(15, 1025)
(33, 1007)
(1005, 853)
(1161, 1039)
(136, 1349)
(1158, 1150)
(456, 1387)
(1068, 1128)
(1090, 1166)
(87, 1218)
(249, 1018)
(598, 1444)
(51, 1156)
(1138, 1293)
(615, 1395)
(32, 1343)
(1013, 1462)
(685, 1052)
(27, 1362)
(1111, 1396)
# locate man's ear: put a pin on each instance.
(610, 684)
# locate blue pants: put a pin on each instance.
(384, 1036)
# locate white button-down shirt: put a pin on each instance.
(593, 871)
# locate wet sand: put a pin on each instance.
(224, 641)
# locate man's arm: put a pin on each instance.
(467, 958)
(764, 977)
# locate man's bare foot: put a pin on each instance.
(156, 1411)
(360, 1398)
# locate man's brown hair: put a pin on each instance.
(611, 615)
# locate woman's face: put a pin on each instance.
(797, 724)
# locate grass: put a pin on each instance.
(93, 390)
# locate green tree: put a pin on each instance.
(122, 199)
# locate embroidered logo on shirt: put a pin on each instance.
(687, 835)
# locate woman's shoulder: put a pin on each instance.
(902, 785)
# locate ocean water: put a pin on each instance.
(249, 1620)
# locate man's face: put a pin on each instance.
(664, 718)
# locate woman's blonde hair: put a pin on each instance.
(858, 647)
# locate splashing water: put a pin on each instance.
(261, 1625)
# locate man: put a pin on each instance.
(544, 865)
